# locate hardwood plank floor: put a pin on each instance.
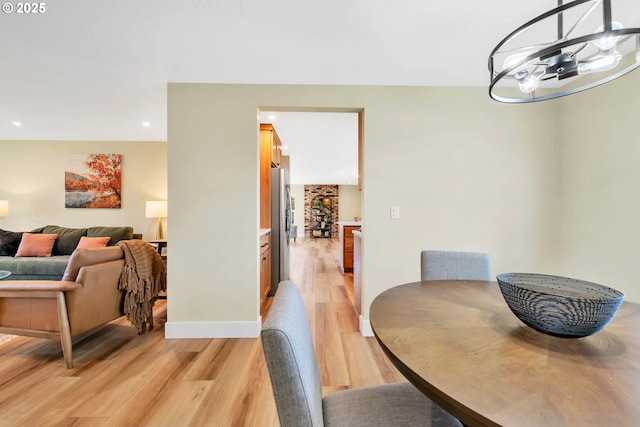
(124, 379)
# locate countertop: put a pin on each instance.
(343, 223)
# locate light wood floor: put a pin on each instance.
(122, 379)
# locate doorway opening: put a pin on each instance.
(322, 151)
(320, 148)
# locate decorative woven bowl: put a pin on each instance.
(559, 306)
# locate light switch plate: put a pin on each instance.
(395, 212)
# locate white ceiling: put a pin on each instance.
(322, 147)
(95, 69)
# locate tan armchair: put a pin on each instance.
(86, 298)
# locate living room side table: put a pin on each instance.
(159, 244)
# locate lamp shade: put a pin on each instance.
(4, 208)
(156, 209)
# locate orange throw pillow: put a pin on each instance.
(36, 245)
(92, 242)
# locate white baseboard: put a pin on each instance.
(212, 329)
(174, 330)
(365, 327)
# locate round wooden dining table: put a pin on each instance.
(458, 342)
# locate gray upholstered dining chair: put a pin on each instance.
(295, 380)
(452, 265)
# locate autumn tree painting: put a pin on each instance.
(93, 181)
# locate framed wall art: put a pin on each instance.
(92, 181)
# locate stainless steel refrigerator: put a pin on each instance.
(280, 226)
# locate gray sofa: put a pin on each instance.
(53, 267)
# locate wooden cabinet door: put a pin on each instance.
(357, 274)
(265, 179)
(265, 269)
(265, 273)
(268, 132)
(347, 254)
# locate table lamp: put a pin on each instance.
(157, 209)
(4, 208)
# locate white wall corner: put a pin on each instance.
(212, 329)
(365, 327)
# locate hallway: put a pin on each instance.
(346, 358)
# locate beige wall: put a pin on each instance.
(32, 179)
(467, 173)
(350, 202)
(600, 185)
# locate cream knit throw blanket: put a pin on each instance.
(143, 276)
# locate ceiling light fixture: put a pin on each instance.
(587, 50)
(16, 123)
(146, 124)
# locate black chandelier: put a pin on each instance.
(587, 49)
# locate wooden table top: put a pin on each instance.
(459, 343)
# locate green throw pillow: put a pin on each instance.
(67, 240)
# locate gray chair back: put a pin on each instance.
(291, 360)
(452, 265)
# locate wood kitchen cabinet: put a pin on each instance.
(268, 132)
(346, 240)
(265, 270)
(270, 156)
(357, 271)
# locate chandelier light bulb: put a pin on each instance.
(514, 59)
(600, 63)
(607, 42)
(527, 82)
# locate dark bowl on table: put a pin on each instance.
(559, 306)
